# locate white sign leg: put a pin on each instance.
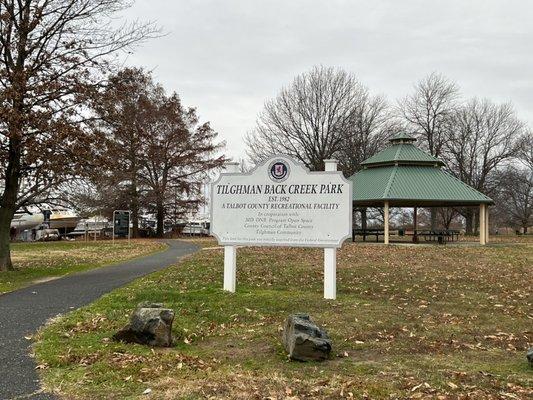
(330, 273)
(330, 254)
(230, 268)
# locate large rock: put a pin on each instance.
(150, 324)
(305, 341)
(529, 357)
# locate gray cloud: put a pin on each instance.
(226, 57)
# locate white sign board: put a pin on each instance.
(281, 203)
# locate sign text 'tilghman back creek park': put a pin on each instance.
(281, 203)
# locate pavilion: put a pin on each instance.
(402, 175)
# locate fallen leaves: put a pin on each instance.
(431, 322)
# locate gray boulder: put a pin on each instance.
(529, 357)
(305, 341)
(150, 324)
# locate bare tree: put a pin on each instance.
(525, 154)
(428, 109)
(310, 119)
(50, 51)
(485, 135)
(515, 184)
(515, 197)
(372, 125)
(244, 166)
(427, 112)
(446, 215)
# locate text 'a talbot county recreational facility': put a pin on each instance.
(281, 203)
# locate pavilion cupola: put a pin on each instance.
(402, 138)
(402, 151)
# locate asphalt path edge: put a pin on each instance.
(24, 311)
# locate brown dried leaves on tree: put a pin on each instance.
(154, 153)
(50, 53)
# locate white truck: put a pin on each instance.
(196, 227)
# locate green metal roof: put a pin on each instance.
(406, 176)
(401, 153)
(402, 137)
(412, 185)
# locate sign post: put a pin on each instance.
(330, 253)
(230, 252)
(282, 203)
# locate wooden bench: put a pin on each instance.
(441, 236)
(367, 232)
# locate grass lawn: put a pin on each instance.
(439, 322)
(38, 261)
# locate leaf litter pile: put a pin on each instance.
(437, 322)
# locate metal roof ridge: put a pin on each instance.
(390, 182)
(397, 154)
(466, 184)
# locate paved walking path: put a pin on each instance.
(23, 311)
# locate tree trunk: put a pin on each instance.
(9, 198)
(415, 225)
(433, 218)
(11, 182)
(134, 205)
(448, 217)
(469, 218)
(525, 229)
(6, 216)
(160, 216)
(134, 220)
(363, 218)
(134, 193)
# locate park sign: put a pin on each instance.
(281, 203)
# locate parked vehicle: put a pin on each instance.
(47, 235)
(91, 226)
(199, 227)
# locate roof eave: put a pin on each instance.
(436, 163)
(420, 202)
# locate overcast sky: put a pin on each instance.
(226, 57)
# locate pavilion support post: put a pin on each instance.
(482, 221)
(386, 222)
(486, 224)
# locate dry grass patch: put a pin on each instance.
(39, 261)
(443, 322)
